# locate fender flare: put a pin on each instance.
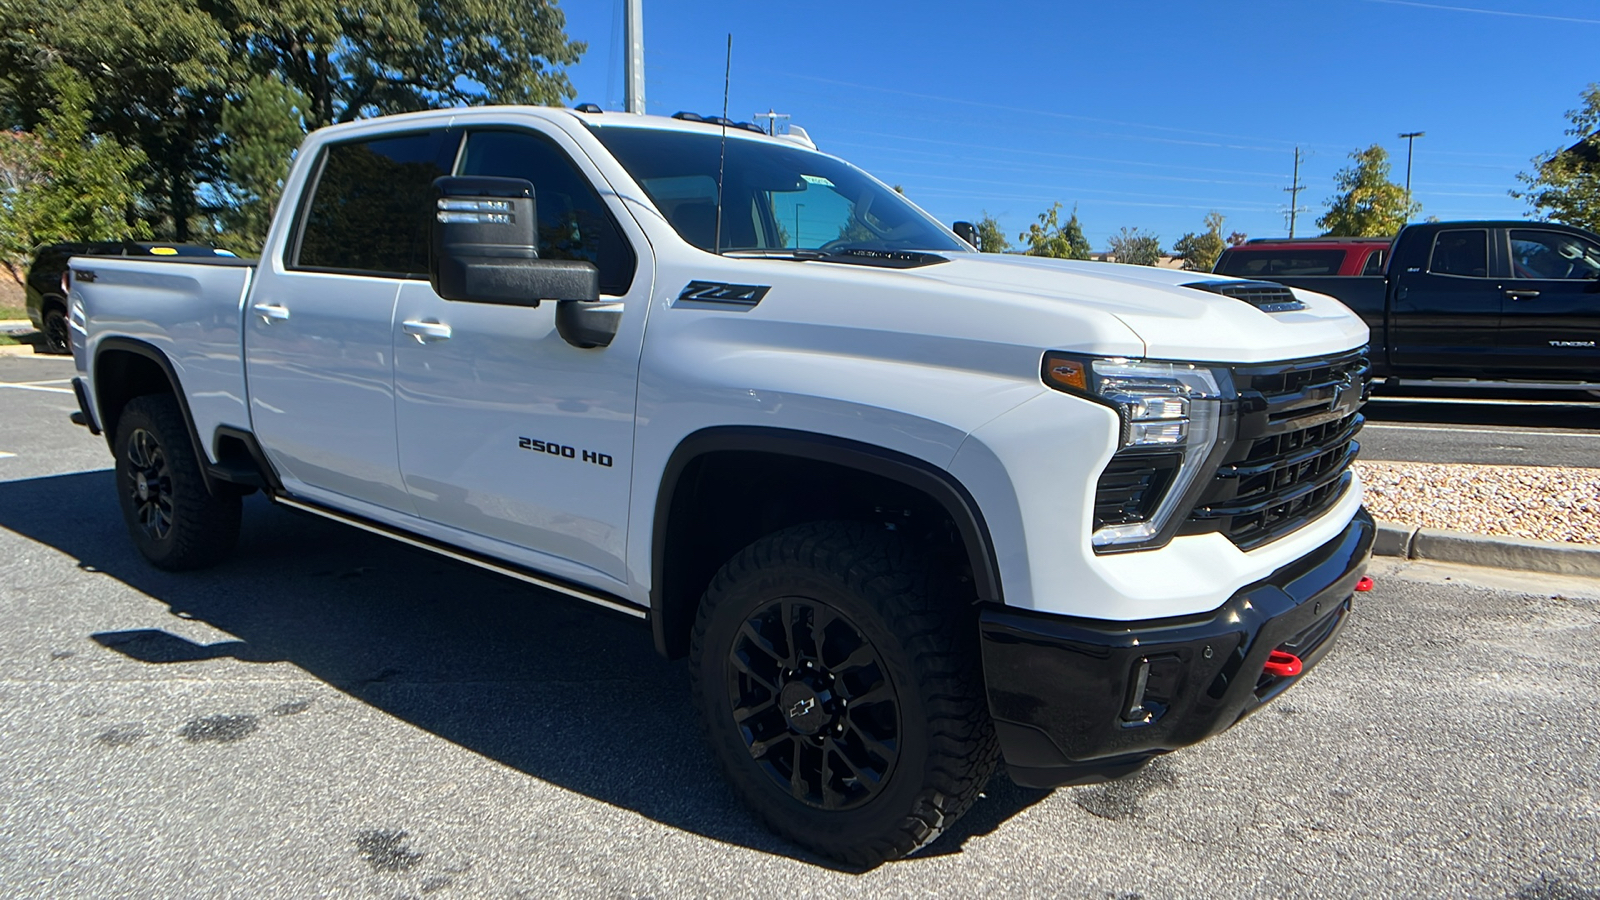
(154, 354)
(943, 487)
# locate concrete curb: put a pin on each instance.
(1480, 550)
(23, 350)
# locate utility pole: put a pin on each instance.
(772, 119)
(633, 38)
(1411, 138)
(1293, 190)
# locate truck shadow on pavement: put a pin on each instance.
(562, 691)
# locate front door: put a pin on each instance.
(1551, 324)
(506, 430)
(318, 343)
(1445, 315)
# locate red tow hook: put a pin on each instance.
(1364, 585)
(1283, 665)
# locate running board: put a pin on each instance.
(459, 555)
(1497, 384)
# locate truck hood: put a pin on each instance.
(1173, 321)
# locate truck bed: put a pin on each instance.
(190, 309)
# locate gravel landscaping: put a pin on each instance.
(1535, 502)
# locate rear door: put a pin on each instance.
(1551, 324)
(1445, 314)
(319, 339)
(507, 431)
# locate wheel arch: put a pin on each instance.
(681, 559)
(125, 368)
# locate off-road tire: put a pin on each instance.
(57, 338)
(898, 600)
(176, 523)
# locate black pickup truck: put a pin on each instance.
(1478, 304)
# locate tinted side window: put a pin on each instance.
(1375, 261)
(373, 203)
(573, 222)
(1552, 254)
(1464, 252)
(1265, 263)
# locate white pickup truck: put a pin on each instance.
(907, 508)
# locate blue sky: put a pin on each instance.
(1143, 114)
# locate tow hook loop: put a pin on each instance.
(1283, 665)
(1364, 585)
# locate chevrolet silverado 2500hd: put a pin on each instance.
(907, 508)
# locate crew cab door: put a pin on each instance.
(1550, 327)
(319, 339)
(505, 430)
(1444, 313)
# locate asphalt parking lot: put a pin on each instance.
(331, 714)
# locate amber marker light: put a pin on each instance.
(1066, 373)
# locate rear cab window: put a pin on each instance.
(1288, 261)
(1462, 252)
(369, 211)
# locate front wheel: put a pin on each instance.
(173, 519)
(838, 685)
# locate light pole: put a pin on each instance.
(1411, 138)
(797, 208)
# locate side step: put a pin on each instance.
(471, 559)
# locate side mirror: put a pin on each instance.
(485, 243)
(967, 232)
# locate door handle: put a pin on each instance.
(270, 311)
(1522, 295)
(426, 331)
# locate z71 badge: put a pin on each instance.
(565, 451)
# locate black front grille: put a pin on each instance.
(1290, 461)
(1130, 486)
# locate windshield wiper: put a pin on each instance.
(791, 253)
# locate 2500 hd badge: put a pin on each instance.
(565, 451)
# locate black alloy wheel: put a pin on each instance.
(149, 481)
(175, 519)
(836, 672)
(813, 702)
(57, 339)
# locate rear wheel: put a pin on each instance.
(175, 522)
(56, 338)
(838, 685)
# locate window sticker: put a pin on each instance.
(817, 179)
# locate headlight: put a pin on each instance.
(1172, 416)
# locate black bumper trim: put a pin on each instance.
(1060, 688)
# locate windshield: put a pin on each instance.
(776, 198)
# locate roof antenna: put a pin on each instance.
(722, 158)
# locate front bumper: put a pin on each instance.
(1079, 700)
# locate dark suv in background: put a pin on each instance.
(47, 302)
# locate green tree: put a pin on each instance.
(64, 184)
(355, 59)
(1565, 184)
(1235, 238)
(161, 72)
(990, 238)
(1200, 251)
(1049, 237)
(1368, 203)
(260, 131)
(1135, 248)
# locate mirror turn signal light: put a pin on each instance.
(1283, 665)
(1364, 585)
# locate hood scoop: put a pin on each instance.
(1263, 295)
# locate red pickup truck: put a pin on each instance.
(1271, 257)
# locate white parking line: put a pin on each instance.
(5, 455)
(1501, 431)
(39, 386)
